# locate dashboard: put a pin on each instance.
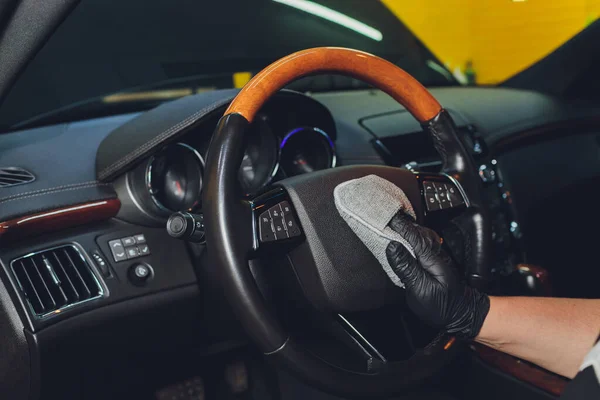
(117, 180)
(287, 138)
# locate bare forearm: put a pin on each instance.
(553, 333)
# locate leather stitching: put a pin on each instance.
(52, 188)
(42, 192)
(438, 143)
(167, 133)
(467, 243)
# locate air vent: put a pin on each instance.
(11, 176)
(55, 279)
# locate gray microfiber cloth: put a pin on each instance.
(367, 205)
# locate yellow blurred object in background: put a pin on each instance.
(240, 79)
(499, 37)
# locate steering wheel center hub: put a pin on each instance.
(341, 274)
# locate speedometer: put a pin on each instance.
(305, 150)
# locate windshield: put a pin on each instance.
(186, 46)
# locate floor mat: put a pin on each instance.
(232, 377)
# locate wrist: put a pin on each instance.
(471, 311)
(491, 329)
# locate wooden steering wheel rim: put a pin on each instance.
(360, 65)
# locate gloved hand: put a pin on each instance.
(434, 290)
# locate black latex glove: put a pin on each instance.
(434, 290)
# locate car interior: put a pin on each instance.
(165, 234)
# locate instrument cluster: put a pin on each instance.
(174, 176)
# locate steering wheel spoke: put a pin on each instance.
(382, 337)
(356, 340)
(275, 223)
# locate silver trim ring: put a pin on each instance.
(148, 175)
(329, 141)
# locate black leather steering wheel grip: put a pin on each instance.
(334, 279)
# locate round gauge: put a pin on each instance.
(305, 150)
(259, 164)
(174, 178)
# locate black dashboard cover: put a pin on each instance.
(151, 130)
(60, 158)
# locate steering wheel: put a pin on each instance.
(295, 222)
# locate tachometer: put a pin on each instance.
(305, 150)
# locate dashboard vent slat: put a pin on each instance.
(55, 279)
(28, 288)
(83, 289)
(55, 285)
(40, 283)
(10, 176)
(67, 284)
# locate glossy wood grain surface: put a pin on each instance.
(360, 65)
(61, 218)
(522, 370)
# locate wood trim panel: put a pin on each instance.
(522, 370)
(53, 220)
(360, 65)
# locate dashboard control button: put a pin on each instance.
(279, 226)
(432, 202)
(428, 187)
(117, 249)
(128, 241)
(477, 146)
(291, 225)
(176, 224)
(140, 239)
(455, 197)
(275, 212)
(139, 274)
(515, 230)
(265, 227)
(439, 187)
(186, 226)
(141, 271)
(144, 249)
(265, 218)
(285, 208)
(132, 252)
(101, 263)
(487, 174)
(443, 199)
